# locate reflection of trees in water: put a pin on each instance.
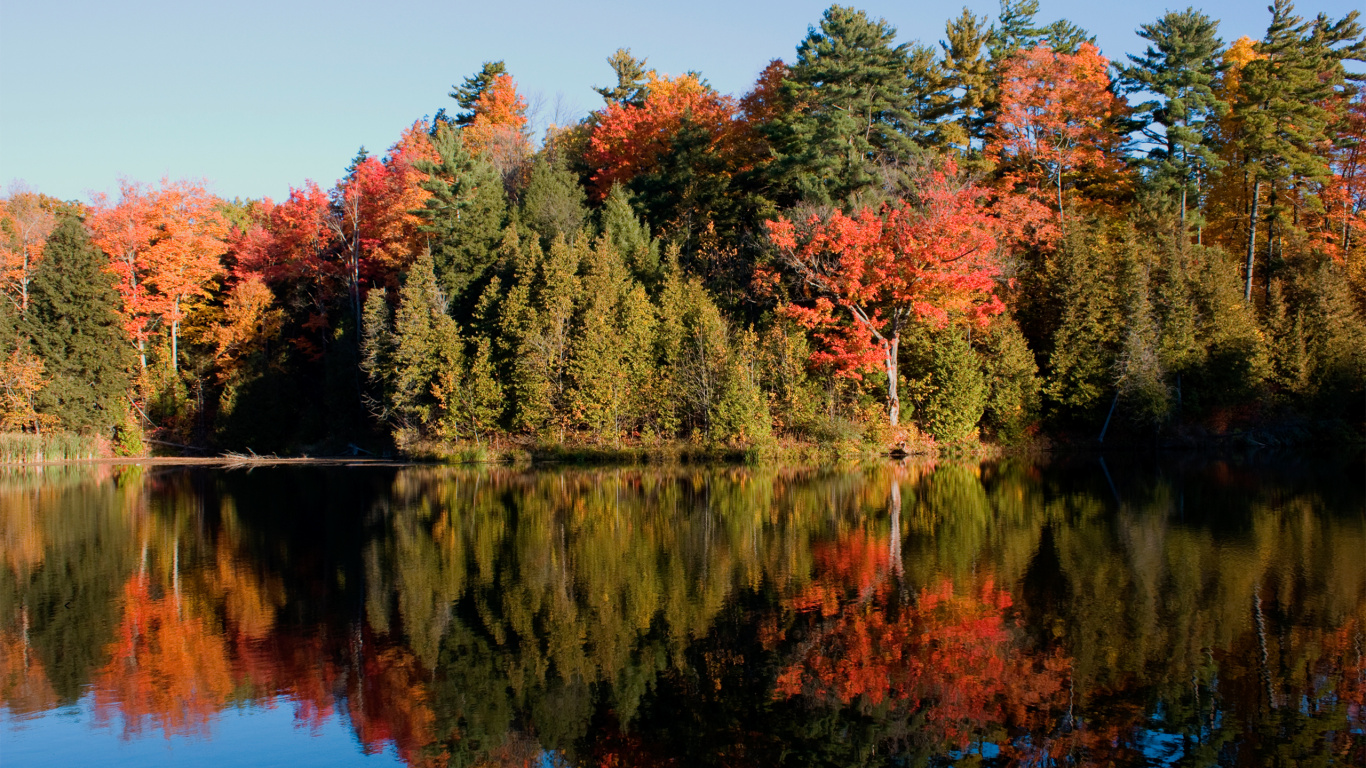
(636, 615)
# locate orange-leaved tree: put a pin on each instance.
(498, 126)
(869, 275)
(124, 232)
(25, 224)
(165, 247)
(630, 140)
(185, 254)
(1055, 122)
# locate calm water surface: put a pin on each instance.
(1072, 613)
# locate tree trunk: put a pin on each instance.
(1252, 239)
(893, 400)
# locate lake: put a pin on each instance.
(1191, 611)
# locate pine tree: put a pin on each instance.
(1283, 109)
(968, 80)
(467, 93)
(849, 81)
(465, 214)
(1179, 68)
(631, 78)
(73, 325)
(740, 414)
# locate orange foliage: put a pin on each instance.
(24, 687)
(1055, 124)
(629, 140)
(165, 247)
(872, 273)
(499, 124)
(168, 668)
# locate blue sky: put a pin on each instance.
(257, 96)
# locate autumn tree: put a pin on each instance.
(933, 260)
(1055, 121)
(124, 232)
(25, 223)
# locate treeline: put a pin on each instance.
(1001, 235)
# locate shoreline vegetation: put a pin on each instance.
(1005, 243)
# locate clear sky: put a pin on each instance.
(254, 96)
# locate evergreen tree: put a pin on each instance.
(481, 398)
(631, 77)
(631, 238)
(426, 344)
(958, 395)
(1012, 377)
(740, 415)
(73, 325)
(968, 78)
(1179, 69)
(1284, 109)
(467, 93)
(465, 214)
(553, 202)
(601, 385)
(1084, 340)
(1141, 378)
(850, 83)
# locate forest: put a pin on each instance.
(1003, 237)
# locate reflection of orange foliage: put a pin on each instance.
(391, 706)
(167, 668)
(857, 562)
(250, 602)
(24, 687)
(942, 652)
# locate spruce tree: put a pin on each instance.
(73, 325)
(1012, 402)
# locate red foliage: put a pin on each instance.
(629, 140)
(871, 273)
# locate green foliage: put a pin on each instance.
(629, 235)
(1012, 403)
(1079, 373)
(73, 324)
(468, 92)
(553, 201)
(959, 393)
(1180, 69)
(464, 215)
(850, 80)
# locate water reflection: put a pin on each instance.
(1014, 613)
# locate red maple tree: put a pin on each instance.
(871, 274)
